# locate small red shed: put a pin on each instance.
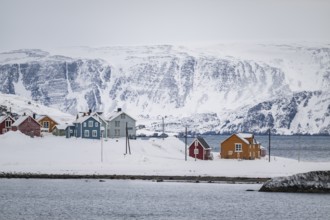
(199, 149)
(27, 125)
(6, 122)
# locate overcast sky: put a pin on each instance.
(62, 23)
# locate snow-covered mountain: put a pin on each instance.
(218, 88)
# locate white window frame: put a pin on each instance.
(117, 124)
(84, 124)
(238, 147)
(122, 116)
(90, 124)
(196, 151)
(8, 123)
(86, 133)
(45, 122)
(94, 133)
(96, 124)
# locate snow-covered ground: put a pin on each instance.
(58, 155)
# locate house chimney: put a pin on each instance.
(34, 115)
(89, 111)
(118, 109)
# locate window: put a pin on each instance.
(46, 124)
(8, 123)
(90, 124)
(94, 133)
(196, 151)
(117, 123)
(86, 133)
(117, 132)
(238, 147)
(196, 143)
(96, 124)
(84, 124)
(29, 119)
(122, 116)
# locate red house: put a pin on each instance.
(6, 123)
(28, 126)
(199, 149)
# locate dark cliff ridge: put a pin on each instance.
(311, 182)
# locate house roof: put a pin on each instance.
(44, 116)
(243, 137)
(84, 118)
(116, 114)
(97, 115)
(4, 117)
(62, 127)
(202, 142)
(22, 119)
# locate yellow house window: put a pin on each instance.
(46, 124)
(238, 147)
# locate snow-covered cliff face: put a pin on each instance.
(302, 112)
(201, 87)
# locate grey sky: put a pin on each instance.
(46, 23)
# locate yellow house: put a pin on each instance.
(240, 146)
(47, 123)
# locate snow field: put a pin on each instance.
(59, 155)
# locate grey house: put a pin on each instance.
(117, 123)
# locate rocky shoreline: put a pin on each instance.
(311, 182)
(194, 179)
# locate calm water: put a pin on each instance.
(122, 199)
(308, 148)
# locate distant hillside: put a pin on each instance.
(220, 88)
(20, 105)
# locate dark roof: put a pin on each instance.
(203, 142)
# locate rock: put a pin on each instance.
(311, 182)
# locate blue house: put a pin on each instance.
(87, 127)
(70, 131)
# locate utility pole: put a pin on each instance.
(185, 150)
(299, 148)
(102, 145)
(269, 143)
(127, 141)
(163, 125)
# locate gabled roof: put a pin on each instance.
(243, 137)
(4, 117)
(202, 142)
(99, 116)
(44, 116)
(61, 127)
(22, 119)
(116, 114)
(84, 118)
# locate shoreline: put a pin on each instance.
(156, 178)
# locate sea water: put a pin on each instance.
(305, 148)
(135, 199)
